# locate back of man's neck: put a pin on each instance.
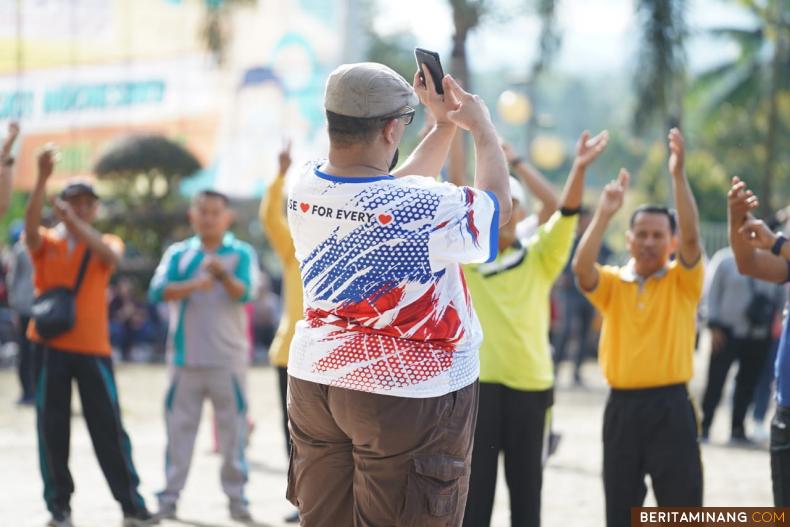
(349, 163)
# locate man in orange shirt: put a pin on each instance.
(81, 353)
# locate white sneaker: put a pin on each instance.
(141, 518)
(760, 433)
(60, 521)
(167, 511)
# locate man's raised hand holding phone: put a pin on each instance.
(429, 156)
(459, 108)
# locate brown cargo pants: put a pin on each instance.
(366, 460)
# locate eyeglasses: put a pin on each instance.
(407, 115)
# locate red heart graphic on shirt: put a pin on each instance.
(385, 218)
(304, 207)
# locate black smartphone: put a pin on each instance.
(431, 60)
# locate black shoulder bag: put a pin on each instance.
(55, 310)
(760, 310)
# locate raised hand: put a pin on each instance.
(588, 149)
(677, 153)
(62, 210)
(284, 157)
(740, 200)
(438, 105)
(613, 194)
(10, 138)
(46, 162)
(471, 113)
(758, 234)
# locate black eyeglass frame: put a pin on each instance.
(408, 113)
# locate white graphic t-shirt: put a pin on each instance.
(386, 305)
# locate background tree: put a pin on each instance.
(215, 29)
(466, 17)
(143, 174)
(659, 76)
(754, 81)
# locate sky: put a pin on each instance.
(599, 36)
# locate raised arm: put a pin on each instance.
(46, 165)
(107, 253)
(590, 245)
(536, 182)
(555, 240)
(6, 167)
(271, 213)
(456, 162)
(688, 218)
(491, 173)
(587, 151)
(429, 156)
(751, 240)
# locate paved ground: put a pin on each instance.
(572, 492)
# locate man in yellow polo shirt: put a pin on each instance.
(647, 344)
(511, 298)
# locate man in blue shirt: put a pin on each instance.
(762, 254)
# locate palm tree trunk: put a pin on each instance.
(459, 64)
(465, 17)
(773, 111)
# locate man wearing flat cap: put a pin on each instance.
(76, 256)
(383, 369)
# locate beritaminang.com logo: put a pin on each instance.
(709, 516)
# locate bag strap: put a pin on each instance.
(81, 273)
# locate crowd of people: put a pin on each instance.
(415, 341)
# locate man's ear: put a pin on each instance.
(230, 217)
(389, 131)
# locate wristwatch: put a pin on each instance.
(570, 211)
(777, 247)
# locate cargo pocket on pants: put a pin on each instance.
(432, 491)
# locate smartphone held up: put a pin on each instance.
(434, 65)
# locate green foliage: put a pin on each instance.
(746, 80)
(395, 51)
(707, 177)
(16, 210)
(741, 110)
(738, 141)
(710, 183)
